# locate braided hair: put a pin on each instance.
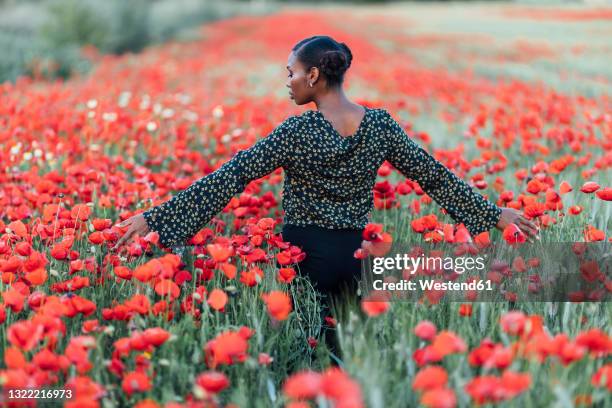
(331, 57)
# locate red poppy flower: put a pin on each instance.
(139, 304)
(23, 248)
(340, 389)
(59, 251)
(278, 304)
(465, 309)
(167, 287)
(264, 359)
(46, 360)
(217, 299)
(603, 377)
(212, 381)
(439, 398)
(303, 385)
(96, 238)
(534, 186)
(228, 269)
(220, 253)
(380, 247)
(144, 272)
(373, 306)
(312, 342)
(372, 232)
(512, 234)
(534, 210)
(592, 234)
(589, 187)
(575, 209)
(80, 212)
(36, 277)
(430, 377)
(155, 336)
(18, 228)
(135, 381)
(14, 358)
(598, 342)
(227, 348)
(425, 330)
(25, 334)
(605, 194)
(251, 277)
(446, 342)
(565, 187)
(286, 275)
(123, 272)
(513, 322)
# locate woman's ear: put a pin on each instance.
(313, 75)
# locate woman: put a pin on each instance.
(330, 157)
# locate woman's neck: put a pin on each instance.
(332, 100)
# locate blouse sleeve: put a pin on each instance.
(459, 200)
(181, 217)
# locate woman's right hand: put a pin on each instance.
(512, 216)
(137, 224)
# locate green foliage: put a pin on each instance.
(15, 56)
(74, 22)
(129, 27)
(114, 26)
(170, 18)
(27, 55)
(43, 38)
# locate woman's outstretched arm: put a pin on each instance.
(461, 202)
(187, 212)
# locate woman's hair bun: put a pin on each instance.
(334, 63)
(349, 54)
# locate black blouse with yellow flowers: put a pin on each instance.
(329, 178)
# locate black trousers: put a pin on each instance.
(330, 266)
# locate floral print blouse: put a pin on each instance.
(329, 178)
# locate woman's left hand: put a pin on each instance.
(137, 224)
(513, 216)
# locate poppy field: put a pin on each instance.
(514, 99)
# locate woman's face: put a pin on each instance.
(297, 81)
